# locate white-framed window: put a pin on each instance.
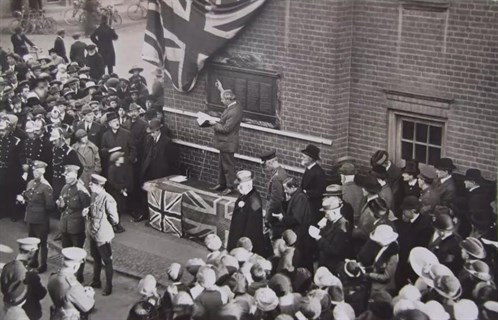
(417, 137)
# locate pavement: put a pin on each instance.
(140, 250)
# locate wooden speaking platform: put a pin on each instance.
(188, 208)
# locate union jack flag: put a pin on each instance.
(165, 211)
(181, 34)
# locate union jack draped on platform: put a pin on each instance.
(182, 34)
(204, 213)
(165, 211)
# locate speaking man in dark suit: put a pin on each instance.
(59, 46)
(226, 139)
(314, 180)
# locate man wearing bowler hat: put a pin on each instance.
(476, 196)
(386, 193)
(414, 230)
(445, 243)
(247, 218)
(21, 285)
(226, 139)
(314, 181)
(445, 184)
(381, 157)
(275, 193)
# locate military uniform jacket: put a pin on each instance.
(103, 215)
(75, 198)
(63, 156)
(276, 194)
(68, 295)
(36, 149)
(39, 201)
(10, 163)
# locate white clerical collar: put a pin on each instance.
(311, 165)
(473, 188)
(443, 180)
(231, 104)
(414, 218)
(388, 165)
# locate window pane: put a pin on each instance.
(434, 155)
(406, 150)
(435, 135)
(420, 153)
(421, 132)
(408, 128)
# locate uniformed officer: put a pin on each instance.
(21, 286)
(71, 300)
(62, 155)
(74, 199)
(10, 170)
(39, 203)
(275, 196)
(102, 217)
(36, 147)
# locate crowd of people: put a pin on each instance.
(383, 243)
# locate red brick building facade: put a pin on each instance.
(416, 78)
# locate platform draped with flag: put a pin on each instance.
(181, 34)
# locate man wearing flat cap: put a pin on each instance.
(445, 184)
(351, 192)
(314, 180)
(89, 156)
(247, 218)
(10, 170)
(72, 202)
(20, 284)
(275, 195)
(429, 197)
(92, 128)
(70, 299)
(226, 139)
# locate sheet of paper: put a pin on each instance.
(178, 179)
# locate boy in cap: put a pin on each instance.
(21, 285)
(429, 197)
(247, 219)
(314, 181)
(103, 216)
(226, 139)
(119, 183)
(70, 299)
(38, 197)
(73, 203)
(445, 184)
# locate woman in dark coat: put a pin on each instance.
(103, 38)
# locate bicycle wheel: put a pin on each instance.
(72, 16)
(28, 27)
(135, 12)
(49, 26)
(116, 19)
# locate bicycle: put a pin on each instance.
(109, 12)
(137, 11)
(33, 22)
(72, 15)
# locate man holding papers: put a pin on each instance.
(226, 139)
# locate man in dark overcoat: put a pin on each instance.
(275, 195)
(314, 181)
(445, 184)
(95, 62)
(226, 139)
(103, 37)
(59, 46)
(77, 50)
(159, 159)
(247, 218)
(445, 243)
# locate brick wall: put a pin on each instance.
(336, 57)
(464, 69)
(310, 48)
